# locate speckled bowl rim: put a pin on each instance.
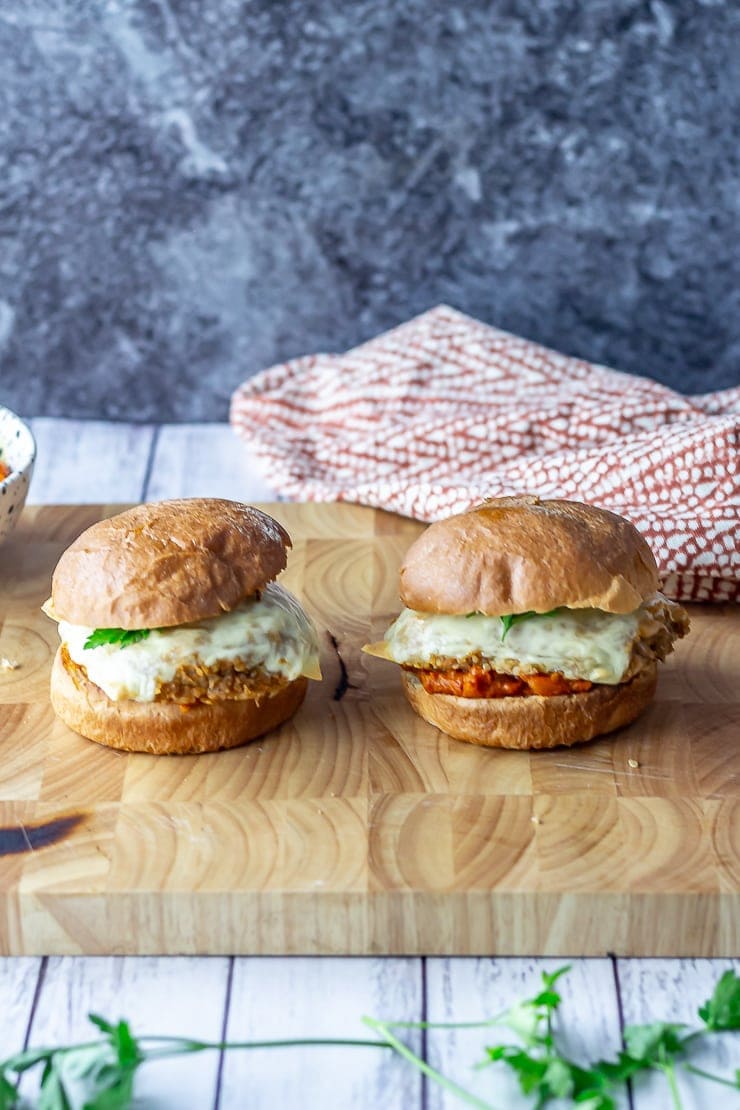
(19, 473)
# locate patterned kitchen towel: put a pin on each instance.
(444, 411)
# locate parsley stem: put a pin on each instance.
(446, 1024)
(177, 1046)
(670, 1075)
(708, 1075)
(403, 1050)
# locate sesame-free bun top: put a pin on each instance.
(520, 554)
(167, 563)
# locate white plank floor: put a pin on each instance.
(47, 1000)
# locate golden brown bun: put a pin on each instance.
(516, 554)
(534, 722)
(168, 563)
(164, 728)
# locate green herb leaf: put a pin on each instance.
(722, 1010)
(550, 978)
(101, 1023)
(506, 623)
(651, 1044)
(22, 1061)
(595, 1100)
(620, 1070)
(558, 1079)
(529, 1071)
(93, 1076)
(514, 618)
(53, 1095)
(116, 1098)
(553, 1076)
(549, 999)
(8, 1093)
(127, 1047)
(120, 636)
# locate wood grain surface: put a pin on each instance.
(357, 828)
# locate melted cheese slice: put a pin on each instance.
(272, 634)
(577, 643)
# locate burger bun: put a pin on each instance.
(167, 563)
(166, 728)
(522, 554)
(534, 722)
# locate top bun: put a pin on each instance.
(520, 554)
(168, 563)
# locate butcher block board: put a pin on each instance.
(357, 828)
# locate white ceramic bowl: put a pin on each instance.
(18, 451)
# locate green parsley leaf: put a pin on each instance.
(549, 999)
(53, 1095)
(120, 636)
(722, 1010)
(619, 1071)
(654, 1042)
(529, 1071)
(553, 1077)
(8, 1093)
(550, 978)
(595, 1100)
(22, 1061)
(101, 1023)
(558, 1081)
(506, 623)
(514, 618)
(126, 1045)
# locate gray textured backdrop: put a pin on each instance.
(193, 189)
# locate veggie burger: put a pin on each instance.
(175, 638)
(530, 623)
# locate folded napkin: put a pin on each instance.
(444, 411)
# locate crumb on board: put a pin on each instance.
(535, 820)
(8, 664)
(632, 763)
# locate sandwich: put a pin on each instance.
(175, 637)
(530, 623)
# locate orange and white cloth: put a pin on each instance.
(444, 411)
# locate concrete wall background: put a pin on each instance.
(190, 190)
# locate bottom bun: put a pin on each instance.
(534, 722)
(166, 728)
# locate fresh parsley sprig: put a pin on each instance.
(121, 636)
(100, 1074)
(545, 1073)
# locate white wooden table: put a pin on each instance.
(47, 1000)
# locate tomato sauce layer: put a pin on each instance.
(477, 682)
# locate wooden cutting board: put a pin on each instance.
(357, 828)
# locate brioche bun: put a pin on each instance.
(534, 722)
(166, 728)
(167, 563)
(521, 554)
(158, 566)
